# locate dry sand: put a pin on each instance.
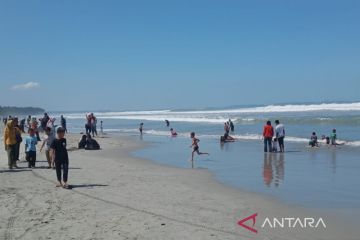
(116, 196)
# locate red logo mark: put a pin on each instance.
(252, 229)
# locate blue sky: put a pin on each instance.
(136, 54)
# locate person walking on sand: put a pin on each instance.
(280, 135)
(268, 134)
(10, 143)
(60, 158)
(30, 143)
(49, 138)
(195, 146)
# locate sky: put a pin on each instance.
(170, 54)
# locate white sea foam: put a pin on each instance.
(246, 137)
(218, 116)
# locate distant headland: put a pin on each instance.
(21, 111)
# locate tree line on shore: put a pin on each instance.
(7, 110)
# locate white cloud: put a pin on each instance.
(25, 86)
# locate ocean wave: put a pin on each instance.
(171, 118)
(239, 115)
(290, 108)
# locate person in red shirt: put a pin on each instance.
(268, 135)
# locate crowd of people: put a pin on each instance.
(55, 147)
(53, 141)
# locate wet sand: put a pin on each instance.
(116, 196)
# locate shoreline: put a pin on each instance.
(190, 202)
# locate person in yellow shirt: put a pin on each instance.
(10, 143)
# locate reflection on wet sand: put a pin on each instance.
(273, 161)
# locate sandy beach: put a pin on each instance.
(116, 196)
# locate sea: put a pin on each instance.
(324, 177)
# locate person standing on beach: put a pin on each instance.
(49, 138)
(51, 124)
(88, 124)
(22, 125)
(63, 123)
(141, 128)
(101, 127)
(268, 134)
(280, 135)
(28, 121)
(195, 146)
(10, 143)
(60, 158)
(44, 121)
(30, 143)
(93, 122)
(34, 125)
(18, 138)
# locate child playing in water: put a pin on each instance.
(274, 145)
(314, 140)
(333, 137)
(195, 146)
(173, 132)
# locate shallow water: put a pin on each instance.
(315, 178)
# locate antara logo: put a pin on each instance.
(288, 222)
(253, 218)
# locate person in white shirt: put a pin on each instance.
(280, 135)
(49, 138)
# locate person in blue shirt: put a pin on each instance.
(30, 145)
